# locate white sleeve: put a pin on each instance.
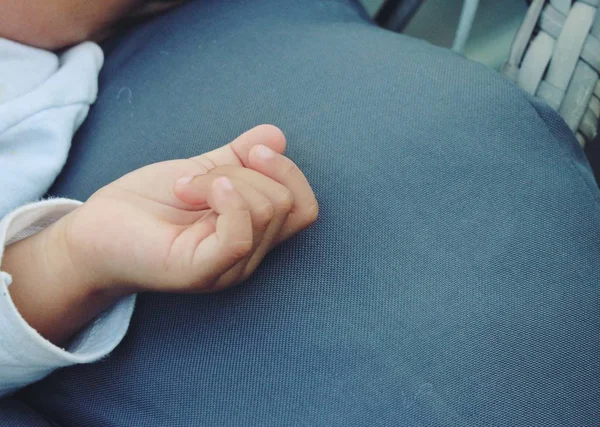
(25, 356)
(44, 98)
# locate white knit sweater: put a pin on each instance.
(44, 98)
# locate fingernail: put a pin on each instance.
(187, 179)
(265, 152)
(184, 180)
(224, 182)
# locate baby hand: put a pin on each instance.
(192, 225)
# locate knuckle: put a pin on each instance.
(285, 200)
(264, 216)
(311, 215)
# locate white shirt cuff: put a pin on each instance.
(26, 356)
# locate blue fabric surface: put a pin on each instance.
(453, 276)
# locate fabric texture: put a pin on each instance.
(26, 356)
(451, 280)
(44, 98)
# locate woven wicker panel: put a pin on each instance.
(556, 56)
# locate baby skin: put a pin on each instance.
(197, 225)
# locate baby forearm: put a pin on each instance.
(50, 292)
